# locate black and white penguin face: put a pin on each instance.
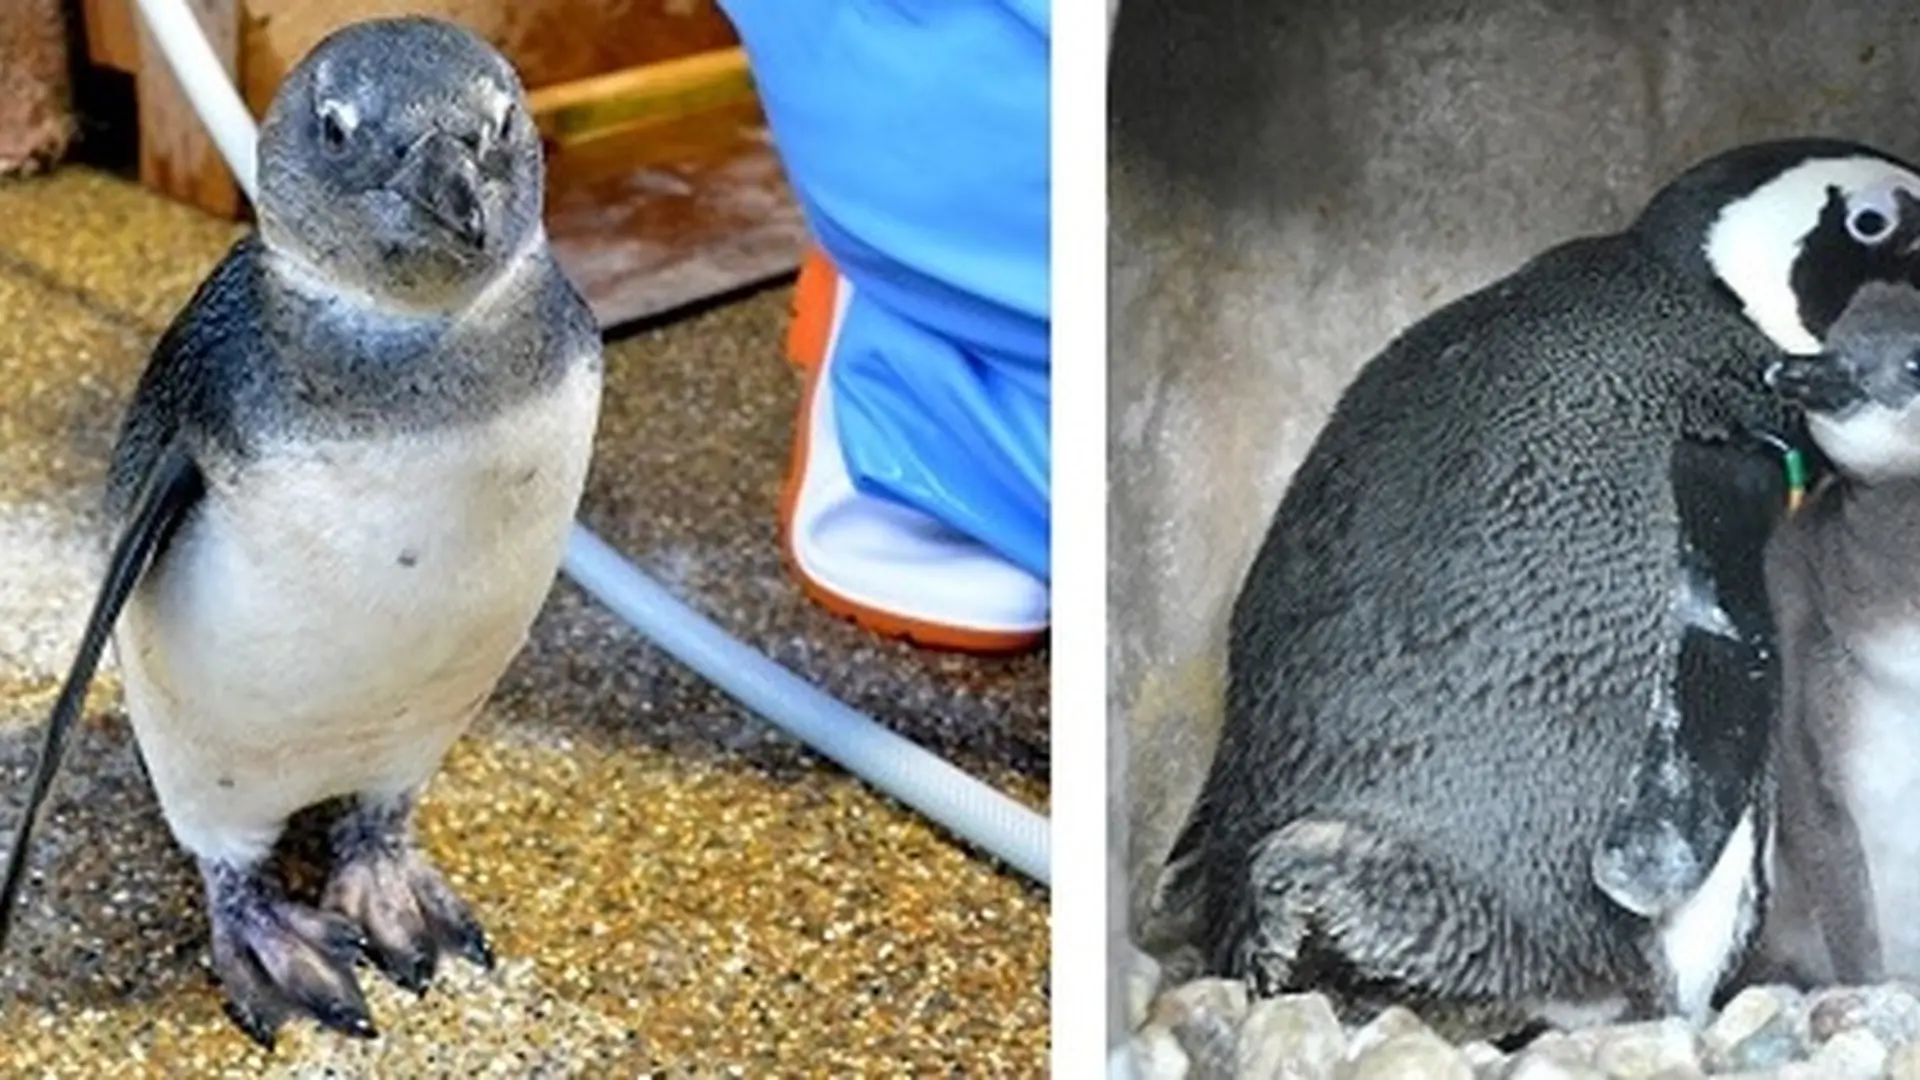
(1862, 393)
(398, 158)
(1797, 248)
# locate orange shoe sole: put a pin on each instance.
(807, 336)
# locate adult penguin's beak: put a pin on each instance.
(1823, 383)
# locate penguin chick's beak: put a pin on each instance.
(439, 176)
(1823, 383)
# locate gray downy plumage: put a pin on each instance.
(1844, 576)
(344, 485)
(1501, 675)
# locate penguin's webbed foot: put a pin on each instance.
(276, 959)
(385, 884)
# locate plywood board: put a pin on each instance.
(653, 220)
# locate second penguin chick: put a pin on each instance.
(1843, 577)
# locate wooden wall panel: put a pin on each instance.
(550, 41)
(177, 155)
(113, 39)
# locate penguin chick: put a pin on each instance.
(1501, 674)
(345, 482)
(1844, 578)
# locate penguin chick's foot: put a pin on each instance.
(276, 959)
(384, 883)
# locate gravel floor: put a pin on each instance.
(1209, 1029)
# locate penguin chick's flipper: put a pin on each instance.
(1700, 767)
(276, 959)
(1821, 841)
(384, 883)
(1821, 877)
(173, 487)
(1329, 897)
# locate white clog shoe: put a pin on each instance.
(888, 567)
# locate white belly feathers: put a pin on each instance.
(333, 621)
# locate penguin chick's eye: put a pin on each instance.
(1913, 366)
(505, 127)
(337, 121)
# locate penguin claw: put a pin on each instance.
(263, 1031)
(347, 1020)
(412, 972)
(471, 942)
(410, 914)
(275, 959)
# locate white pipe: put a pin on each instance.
(204, 80)
(972, 810)
(962, 804)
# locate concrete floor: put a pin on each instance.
(674, 888)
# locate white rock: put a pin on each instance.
(1643, 1051)
(1488, 1062)
(1296, 1037)
(1792, 1070)
(1391, 1022)
(1421, 1054)
(1157, 1055)
(1890, 1010)
(1189, 1002)
(1532, 1065)
(1853, 1053)
(1563, 1047)
(1904, 1062)
(1205, 1016)
(1750, 1010)
(1142, 982)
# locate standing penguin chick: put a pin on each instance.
(345, 482)
(1501, 675)
(1845, 580)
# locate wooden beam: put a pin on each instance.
(113, 37)
(669, 214)
(549, 41)
(662, 92)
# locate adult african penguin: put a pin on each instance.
(1502, 673)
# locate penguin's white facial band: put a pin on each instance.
(1756, 241)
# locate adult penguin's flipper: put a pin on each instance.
(1702, 762)
(173, 487)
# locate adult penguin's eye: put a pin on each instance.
(1868, 226)
(1872, 215)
